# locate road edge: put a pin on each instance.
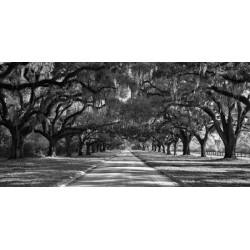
(182, 184)
(65, 183)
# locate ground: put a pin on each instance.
(197, 171)
(126, 170)
(45, 172)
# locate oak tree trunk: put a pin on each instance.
(88, 148)
(68, 146)
(16, 145)
(175, 147)
(94, 148)
(168, 148)
(186, 149)
(230, 147)
(203, 148)
(163, 149)
(229, 139)
(186, 139)
(80, 147)
(52, 148)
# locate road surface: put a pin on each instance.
(124, 170)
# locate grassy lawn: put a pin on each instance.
(196, 171)
(45, 172)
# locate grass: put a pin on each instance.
(197, 171)
(46, 172)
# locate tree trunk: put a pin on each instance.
(163, 148)
(186, 149)
(202, 142)
(203, 148)
(186, 139)
(16, 144)
(159, 148)
(94, 148)
(227, 134)
(230, 147)
(143, 147)
(52, 148)
(80, 147)
(98, 147)
(104, 148)
(175, 147)
(168, 148)
(88, 148)
(68, 146)
(229, 139)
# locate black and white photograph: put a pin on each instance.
(124, 125)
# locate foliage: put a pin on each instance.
(101, 104)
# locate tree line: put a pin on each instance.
(102, 104)
(57, 100)
(188, 100)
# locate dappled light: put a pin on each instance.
(125, 170)
(48, 171)
(196, 171)
(188, 123)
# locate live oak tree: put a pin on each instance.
(169, 135)
(219, 89)
(188, 123)
(202, 126)
(82, 138)
(62, 113)
(232, 83)
(33, 96)
(218, 92)
(180, 119)
(18, 99)
(136, 117)
(57, 121)
(22, 86)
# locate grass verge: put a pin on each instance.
(200, 172)
(47, 172)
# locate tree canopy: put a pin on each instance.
(102, 104)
